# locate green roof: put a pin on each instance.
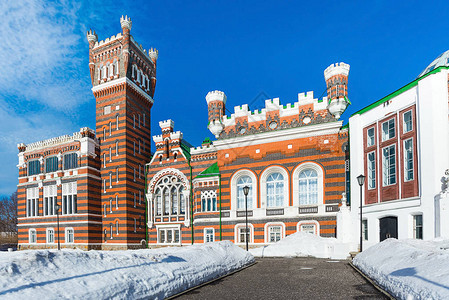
(397, 92)
(211, 171)
(186, 149)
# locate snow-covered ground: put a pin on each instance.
(304, 244)
(76, 274)
(408, 269)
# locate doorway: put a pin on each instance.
(388, 228)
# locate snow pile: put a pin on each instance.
(76, 274)
(304, 244)
(408, 269)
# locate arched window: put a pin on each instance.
(241, 183)
(308, 187)
(167, 152)
(208, 201)
(275, 190)
(169, 199)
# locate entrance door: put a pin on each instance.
(388, 228)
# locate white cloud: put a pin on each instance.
(42, 56)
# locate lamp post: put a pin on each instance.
(361, 180)
(246, 191)
(57, 207)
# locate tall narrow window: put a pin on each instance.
(104, 133)
(139, 146)
(134, 171)
(110, 179)
(388, 130)
(174, 200)
(365, 229)
(134, 147)
(69, 236)
(116, 122)
(134, 121)
(408, 160)
(417, 227)
(110, 154)
(32, 205)
(116, 201)
(135, 225)
(139, 120)
(116, 148)
(389, 165)
(50, 192)
(110, 128)
(158, 203)
(134, 199)
(275, 190)
(110, 205)
(140, 170)
(104, 185)
(308, 187)
(166, 202)
(140, 197)
(116, 174)
(110, 231)
(143, 120)
(370, 137)
(50, 235)
(241, 183)
(32, 237)
(371, 170)
(408, 122)
(104, 160)
(116, 227)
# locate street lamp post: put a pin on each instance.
(361, 180)
(246, 191)
(57, 207)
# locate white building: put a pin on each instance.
(400, 143)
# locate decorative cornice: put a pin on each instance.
(113, 85)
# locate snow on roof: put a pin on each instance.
(441, 60)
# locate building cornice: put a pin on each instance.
(117, 82)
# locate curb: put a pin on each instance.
(210, 281)
(372, 281)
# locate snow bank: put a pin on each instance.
(408, 269)
(76, 274)
(304, 244)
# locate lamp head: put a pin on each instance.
(57, 207)
(361, 179)
(246, 190)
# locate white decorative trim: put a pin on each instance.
(295, 190)
(236, 233)
(168, 171)
(280, 135)
(120, 81)
(234, 179)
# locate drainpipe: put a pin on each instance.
(146, 207)
(219, 195)
(191, 203)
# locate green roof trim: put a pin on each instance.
(211, 171)
(345, 126)
(206, 140)
(186, 150)
(398, 92)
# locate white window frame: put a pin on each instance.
(32, 232)
(116, 148)
(386, 135)
(320, 173)
(237, 233)
(414, 226)
(208, 236)
(365, 229)
(69, 190)
(406, 170)
(50, 198)
(165, 228)
(404, 124)
(32, 203)
(234, 180)
(67, 236)
(267, 230)
(47, 235)
(386, 170)
(309, 222)
(371, 180)
(263, 186)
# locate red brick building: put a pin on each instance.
(101, 176)
(291, 156)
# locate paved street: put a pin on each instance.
(290, 278)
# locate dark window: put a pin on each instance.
(70, 161)
(34, 167)
(51, 164)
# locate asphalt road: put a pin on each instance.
(290, 278)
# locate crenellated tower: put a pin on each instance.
(123, 76)
(336, 76)
(216, 101)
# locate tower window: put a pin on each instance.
(116, 122)
(134, 121)
(110, 128)
(116, 148)
(139, 120)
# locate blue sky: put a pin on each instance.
(246, 49)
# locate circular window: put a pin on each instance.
(306, 120)
(242, 130)
(273, 125)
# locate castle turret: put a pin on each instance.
(336, 76)
(216, 101)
